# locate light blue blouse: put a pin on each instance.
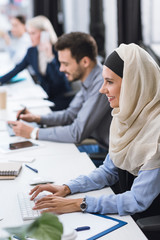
(145, 188)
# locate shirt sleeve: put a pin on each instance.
(144, 190)
(64, 117)
(18, 68)
(78, 122)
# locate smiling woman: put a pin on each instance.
(111, 86)
(133, 87)
(112, 74)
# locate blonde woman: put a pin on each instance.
(44, 61)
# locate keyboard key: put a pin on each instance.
(26, 206)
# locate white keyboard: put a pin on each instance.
(26, 206)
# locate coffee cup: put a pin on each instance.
(3, 98)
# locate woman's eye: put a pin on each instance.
(110, 82)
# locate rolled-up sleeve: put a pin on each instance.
(144, 190)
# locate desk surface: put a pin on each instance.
(59, 168)
(54, 160)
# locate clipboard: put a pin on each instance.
(119, 224)
(99, 224)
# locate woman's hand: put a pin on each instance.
(28, 116)
(55, 189)
(47, 49)
(58, 205)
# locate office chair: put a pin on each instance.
(98, 157)
(149, 223)
(150, 227)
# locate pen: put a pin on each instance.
(82, 228)
(33, 169)
(23, 111)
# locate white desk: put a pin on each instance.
(60, 168)
(21, 92)
(58, 160)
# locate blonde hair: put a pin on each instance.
(42, 23)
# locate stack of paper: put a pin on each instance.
(31, 103)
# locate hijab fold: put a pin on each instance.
(135, 127)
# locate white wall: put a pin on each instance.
(150, 21)
(110, 20)
(77, 17)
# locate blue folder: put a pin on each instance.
(16, 79)
(119, 224)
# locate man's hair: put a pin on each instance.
(80, 44)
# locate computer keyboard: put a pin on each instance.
(26, 206)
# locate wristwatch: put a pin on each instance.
(33, 134)
(83, 205)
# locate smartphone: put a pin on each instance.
(19, 145)
(44, 37)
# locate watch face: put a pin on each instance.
(83, 206)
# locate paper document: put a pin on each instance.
(3, 126)
(26, 159)
(99, 226)
(30, 103)
(14, 91)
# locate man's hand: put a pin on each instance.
(21, 129)
(28, 116)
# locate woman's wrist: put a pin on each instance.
(50, 58)
(76, 203)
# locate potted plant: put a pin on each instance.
(46, 227)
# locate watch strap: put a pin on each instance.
(33, 134)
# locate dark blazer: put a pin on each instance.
(53, 82)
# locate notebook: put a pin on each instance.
(9, 170)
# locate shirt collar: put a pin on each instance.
(91, 76)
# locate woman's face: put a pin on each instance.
(111, 86)
(17, 28)
(34, 35)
